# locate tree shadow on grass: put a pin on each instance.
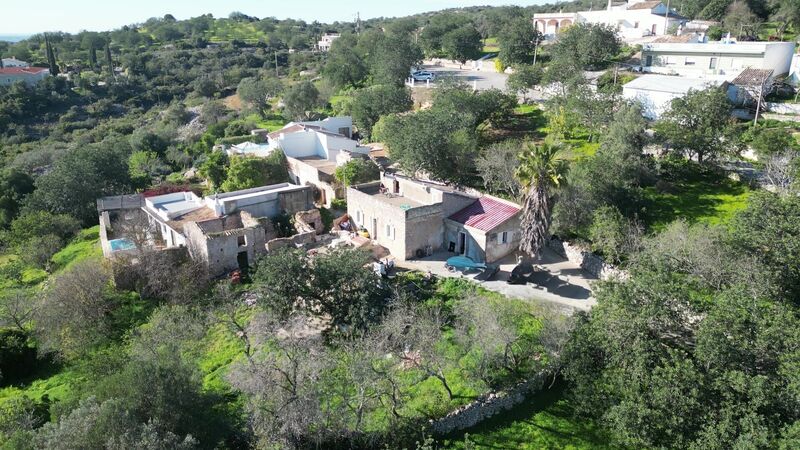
(521, 125)
(693, 201)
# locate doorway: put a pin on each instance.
(395, 187)
(462, 243)
(241, 259)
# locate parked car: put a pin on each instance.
(423, 76)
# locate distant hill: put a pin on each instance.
(13, 37)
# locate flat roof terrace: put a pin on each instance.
(374, 190)
(321, 164)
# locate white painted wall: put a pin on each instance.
(653, 103)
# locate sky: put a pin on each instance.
(20, 17)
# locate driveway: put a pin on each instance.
(561, 282)
(481, 80)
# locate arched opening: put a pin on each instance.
(552, 26)
(565, 23)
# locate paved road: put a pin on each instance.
(481, 80)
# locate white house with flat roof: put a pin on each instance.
(721, 60)
(632, 20)
(313, 149)
(325, 42)
(656, 92)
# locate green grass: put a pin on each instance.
(527, 122)
(85, 245)
(51, 380)
(771, 29)
(224, 30)
(7, 258)
(220, 349)
(697, 201)
(491, 45)
(272, 123)
(544, 421)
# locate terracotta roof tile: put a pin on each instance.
(752, 77)
(485, 213)
(22, 70)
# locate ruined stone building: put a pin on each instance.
(225, 231)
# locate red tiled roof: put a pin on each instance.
(22, 70)
(485, 213)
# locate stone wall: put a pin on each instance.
(297, 239)
(487, 406)
(783, 108)
(588, 261)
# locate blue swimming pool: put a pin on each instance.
(121, 244)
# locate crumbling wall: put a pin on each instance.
(311, 220)
(294, 241)
(299, 200)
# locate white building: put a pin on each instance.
(313, 150)
(720, 60)
(325, 42)
(28, 75)
(633, 20)
(14, 62)
(656, 92)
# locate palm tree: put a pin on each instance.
(541, 171)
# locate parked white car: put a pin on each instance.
(423, 76)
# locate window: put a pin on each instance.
(359, 217)
(669, 61)
(635, 24)
(712, 63)
(648, 61)
(688, 61)
(503, 238)
(390, 231)
(241, 241)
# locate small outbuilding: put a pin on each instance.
(486, 230)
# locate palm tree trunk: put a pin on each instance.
(535, 220)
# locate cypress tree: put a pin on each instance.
(51, 57)
(108, 60)
(93, 56)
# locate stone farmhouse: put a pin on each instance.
(224, 231)
(414, 218)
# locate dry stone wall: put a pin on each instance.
(588, 261)
(487, 406)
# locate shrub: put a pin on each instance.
(356, 171)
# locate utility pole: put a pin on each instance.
(666, 18)
(762, 88)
